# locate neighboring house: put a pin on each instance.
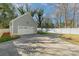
(23, 25)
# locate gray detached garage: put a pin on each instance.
(23, 25)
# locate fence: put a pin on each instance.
(52, 30)
(62, 30)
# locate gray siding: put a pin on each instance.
(24, 20)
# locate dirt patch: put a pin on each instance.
(71, 37)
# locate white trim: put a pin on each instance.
(20, 16)
(27, 13)
(11, 28)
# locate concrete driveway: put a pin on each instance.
(8, 49)
(39, 45)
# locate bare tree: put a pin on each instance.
(57, 14)
(62, 10)
(58, 18)
(65, 11)
(75, 14)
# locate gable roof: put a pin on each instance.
(27, 13)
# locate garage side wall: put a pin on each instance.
(25, 20)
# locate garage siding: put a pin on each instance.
(25, 20)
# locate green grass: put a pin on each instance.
(7, 37)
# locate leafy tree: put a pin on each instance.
(6, 14)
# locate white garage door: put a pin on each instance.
(25, 30)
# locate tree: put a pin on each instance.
(47, 23)
(75, 9)
(64, 8)
(61, 11)
(21, 10)
(58, 18)
(40, 13)
(7, 14)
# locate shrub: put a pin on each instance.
(6, 37)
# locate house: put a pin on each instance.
(23, 25)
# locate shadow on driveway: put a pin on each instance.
(41, 35)
(10, 48)
(31, 44)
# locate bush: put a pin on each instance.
(6, 37)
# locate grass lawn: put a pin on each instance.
(74, 38)
(6, 37)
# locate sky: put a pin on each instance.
(48, 9)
